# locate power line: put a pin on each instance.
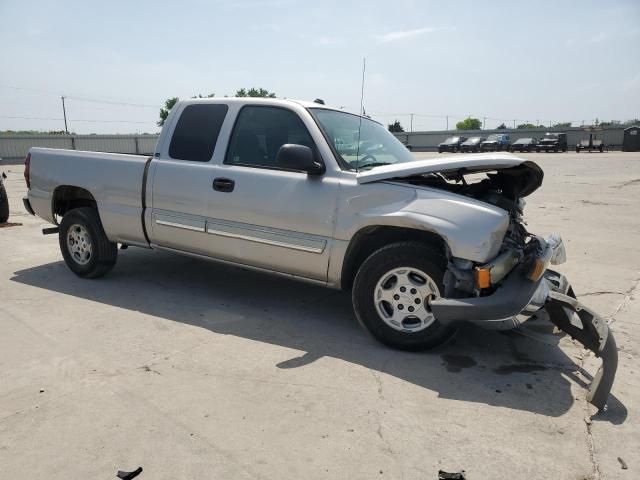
(109, 102)
(61, 118)
(83, 99)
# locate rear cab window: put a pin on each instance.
(197, 131)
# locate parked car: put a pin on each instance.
(451, 144)
(472, 144)
(496, 142)
(590, 143)
(523, 145)
(552, 142)
(422, 245)
(4, 200)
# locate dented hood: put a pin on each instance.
(525, 173)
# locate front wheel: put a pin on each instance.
(392, 292)
(85, 247)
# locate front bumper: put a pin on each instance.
(518, 298)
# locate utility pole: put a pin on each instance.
(412, 122)
(514, 124)
(64, 112)
(484, 119)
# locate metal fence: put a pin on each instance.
(428, 141)
(15, 147)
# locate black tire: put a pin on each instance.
(537, 150)
(4, 203)
(397, 255)
(103, 253)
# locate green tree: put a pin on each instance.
(211, 95)
(562, 125)
(164, 112)
(526, 126)
(469, 124)
(255, 92)
(396, 127)
(502, 126)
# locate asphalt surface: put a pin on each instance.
(194, 370)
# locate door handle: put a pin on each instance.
(222, 184)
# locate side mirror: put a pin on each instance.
(298, 157)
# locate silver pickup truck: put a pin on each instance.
(325, 196)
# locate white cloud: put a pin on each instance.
(599, 37)
(326, 41)
(403, 34)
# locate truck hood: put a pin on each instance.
(522, 176)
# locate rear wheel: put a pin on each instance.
(85, 247)
(391, 295)
(4, 203)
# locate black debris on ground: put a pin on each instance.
(442, 475)
(129, 475)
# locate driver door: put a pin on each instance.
(264, 215)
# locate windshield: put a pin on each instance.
(373, 146)
(551, 136)
(492, 138)
(473, 140)
(524, 140)
(452, 140)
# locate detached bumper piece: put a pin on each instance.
(518, 298)
(594, 334)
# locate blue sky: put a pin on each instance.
(546, 61)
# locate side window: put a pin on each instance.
(196, 133)
(260, 132)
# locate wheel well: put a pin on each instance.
(68, 197)
(370, 239)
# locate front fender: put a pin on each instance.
(473, 230)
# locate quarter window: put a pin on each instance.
(196, 133)
(260, 132)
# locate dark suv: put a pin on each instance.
(523, 145)
(472, 145)
(552, 142)
(451, 144)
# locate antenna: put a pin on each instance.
(364, 66)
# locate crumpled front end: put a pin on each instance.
(519, 285)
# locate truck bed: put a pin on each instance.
(114, 180)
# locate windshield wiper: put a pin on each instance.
(373, 165)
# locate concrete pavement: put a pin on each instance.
(195, 370)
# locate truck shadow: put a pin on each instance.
(525, 371)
